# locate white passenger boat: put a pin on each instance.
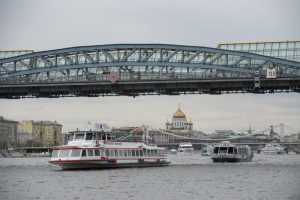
(228, 152)
(273, 148)
(92, 150)
(185, 147)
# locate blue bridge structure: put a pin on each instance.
(144, 69)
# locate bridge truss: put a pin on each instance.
(143, 69)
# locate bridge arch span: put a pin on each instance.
(143, 63)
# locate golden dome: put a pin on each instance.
(179, 114)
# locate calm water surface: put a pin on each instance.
(275, 177)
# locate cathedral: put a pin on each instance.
(179, 123)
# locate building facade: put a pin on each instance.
(8, 132)
(43, 133)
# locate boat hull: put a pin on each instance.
(186, 150)
(222, 160)
(107, 165)
(272, 152)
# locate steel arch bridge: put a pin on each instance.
(143, 69)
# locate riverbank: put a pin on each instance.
(20, 154)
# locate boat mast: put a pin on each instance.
(146, 131)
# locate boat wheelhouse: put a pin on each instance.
(228, 152)
(92, 150)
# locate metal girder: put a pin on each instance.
(87, 56)
(108, 55)
(171, 55)
(22, 63)
(149, 55)
(105, 48)
(238, 61)
(181, 55)
(122, 64)
(215, 59)
(47, 62)
(67, 59)
(192, 57)
(128, 55)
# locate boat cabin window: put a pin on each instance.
(216, 150)
(83, 153)
(89, 136)
(54, 153)
(230, 150)
(102, 152)
(90, 152)
(64, 153)
(75, 153)
(235, 151)
(141, 153)
(121, 152)
(129, 153)
(112, 152)
(79, 136)
(97, 152)
(125, 153)
(223, 150)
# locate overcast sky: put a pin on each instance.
(45, 25)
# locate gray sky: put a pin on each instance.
(45, 25)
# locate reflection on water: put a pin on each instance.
(189, 177)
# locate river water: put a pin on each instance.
(274, 177)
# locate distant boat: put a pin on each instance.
(273, 148)
(86, 151)
(185, 147)
(173, 151)
(206, 150)
(228, 152)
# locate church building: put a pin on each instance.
(179, 123)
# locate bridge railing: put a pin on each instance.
(152, 76)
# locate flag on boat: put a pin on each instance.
(101, 127)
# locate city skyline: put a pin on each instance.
(207, 119)
(205, 23)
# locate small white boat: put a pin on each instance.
(173, 151)
(206, 150)
(86, 151)
(273, 148)
(228, 152)
(185, 147)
